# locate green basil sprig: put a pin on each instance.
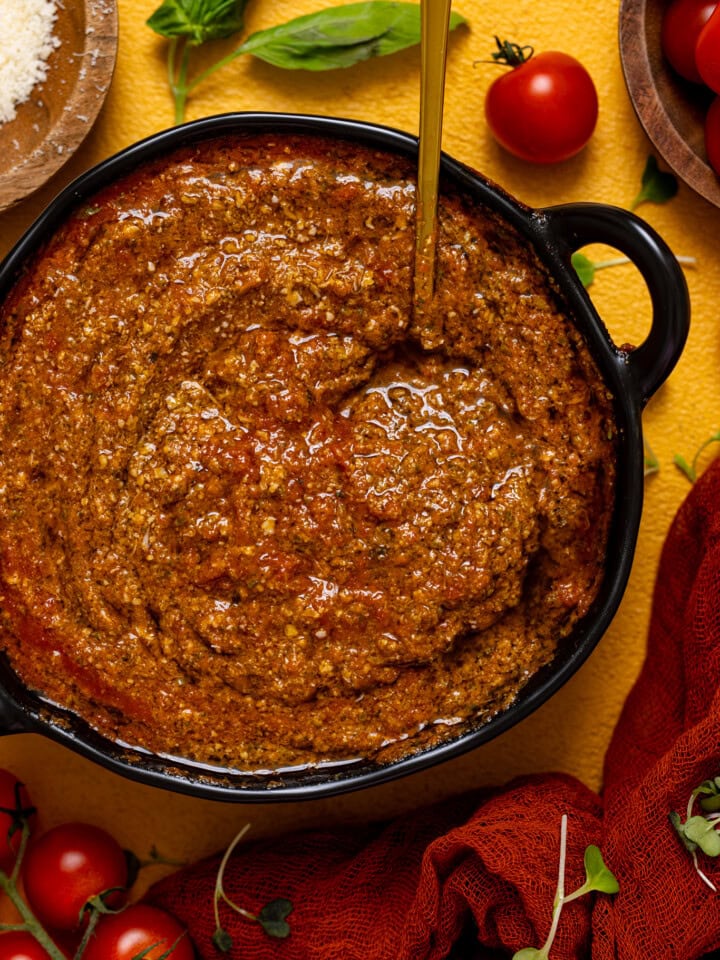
(340, 36)
(329, 39)
(198, 20)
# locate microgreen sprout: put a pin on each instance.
(699, 830)
(587, 268)
(272, 917)
(690, 469)
(597, 878)
(652, 464)
(656, 187)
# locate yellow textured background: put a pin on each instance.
(570, 732)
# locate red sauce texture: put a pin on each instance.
(254, 513)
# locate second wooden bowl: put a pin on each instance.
(671, 110)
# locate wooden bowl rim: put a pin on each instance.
(81, 110)
(650, 109)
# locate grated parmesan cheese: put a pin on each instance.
(26, 41)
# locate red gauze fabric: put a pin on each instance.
(407, 890)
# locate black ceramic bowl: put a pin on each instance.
(632, 376)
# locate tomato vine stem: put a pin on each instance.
(511, 54)
(30, 923)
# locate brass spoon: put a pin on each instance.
(435, 26)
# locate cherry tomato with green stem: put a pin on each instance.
(126, 935)
(682, 24)
(707, 52)
(544, 109)
(15, 806)
(21, 945)
(67, 866)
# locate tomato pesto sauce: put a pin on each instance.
(246, 517)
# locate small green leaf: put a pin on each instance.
(529, 953)
(198, 20)
(652, 464)
(679, 827)
(657, 186)
(584, 268)
(703, 833)
(709, 794)
(340, 36)
(682, 464)
(597, 875)
(222, 940)
(272, 918)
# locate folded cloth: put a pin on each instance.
(489, 861)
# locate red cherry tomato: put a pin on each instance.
(12, 792)
(20, 945)
(125, 935)
(681, 26)
(545, 108)
(67, 866)
(712, 135)
(707, 52)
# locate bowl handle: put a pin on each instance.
(567, 227)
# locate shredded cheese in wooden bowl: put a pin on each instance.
(56, 63)
(26, 41)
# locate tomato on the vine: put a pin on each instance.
(545, 108)
(682, 23)
(21, 945)
(14, 802)
(126, 935)
(66, 867)
(707, 52)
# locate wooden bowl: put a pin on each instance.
(671, 109)
(53, 122)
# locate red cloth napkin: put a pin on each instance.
(408, 890)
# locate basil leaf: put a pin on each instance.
(222, 940)
(198, 20)
(340, 36)
(657, 186)
(679, 827)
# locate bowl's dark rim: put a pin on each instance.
(25, 711)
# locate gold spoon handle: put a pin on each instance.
(435, 25)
